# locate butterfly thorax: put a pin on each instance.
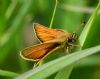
(68, 42)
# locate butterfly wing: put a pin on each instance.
(45, 34)
(39, 51)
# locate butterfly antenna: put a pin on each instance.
(80, 27)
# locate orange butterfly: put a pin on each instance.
(51, 40)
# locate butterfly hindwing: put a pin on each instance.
(37, 52)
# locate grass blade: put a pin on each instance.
(64, 73)
(88, 26)
(8, 73)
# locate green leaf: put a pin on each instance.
(89, 61)
(8, 73)
(46, 70)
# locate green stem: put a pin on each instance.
(54, 11)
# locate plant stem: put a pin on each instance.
(52, 19)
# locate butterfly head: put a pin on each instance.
(72, 39)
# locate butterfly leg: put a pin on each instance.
(37, 63)
(67, 50)
(73, 45)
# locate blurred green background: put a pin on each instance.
(16, 32)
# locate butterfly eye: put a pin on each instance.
(70, 40)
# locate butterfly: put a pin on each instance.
(50, 41)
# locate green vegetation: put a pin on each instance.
(16, 19)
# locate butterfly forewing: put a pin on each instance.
(38, 51)
(49, 35)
